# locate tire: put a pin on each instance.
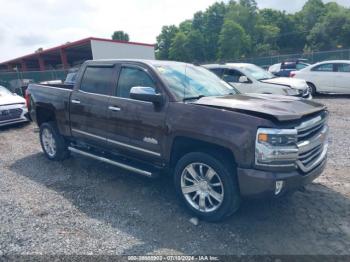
(228, 192)
(52, 142)
(312, 89)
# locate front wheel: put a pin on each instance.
(206, 186)
(312, 89)
(52, 142)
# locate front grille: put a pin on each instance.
(312, 142)
(311, 127)
(10, 114)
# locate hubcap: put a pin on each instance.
(202, 187)
(49, 142)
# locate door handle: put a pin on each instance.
(114, 108)
(75, 101)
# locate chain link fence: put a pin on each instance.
(312, 57)
(16, 79)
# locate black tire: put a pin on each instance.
(61, 151)
(312, 87)
(227, 174)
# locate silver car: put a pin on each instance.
(13, 108)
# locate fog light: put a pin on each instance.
(279, 187)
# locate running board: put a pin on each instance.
(112, 162)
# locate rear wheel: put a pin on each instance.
(52, 142)
(206, 186)
(312, 89)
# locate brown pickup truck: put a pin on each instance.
(159, 117)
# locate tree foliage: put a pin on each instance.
(236, 29)
(121, 36)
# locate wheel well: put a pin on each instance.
(44, 115)
(184, 145)
(309, 83)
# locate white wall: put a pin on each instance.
(114, 50)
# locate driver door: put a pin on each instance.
(232, 76)
(135, 127)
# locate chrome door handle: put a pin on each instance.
(75, 101)
(114, 108)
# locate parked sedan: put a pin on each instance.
(327, 77)
(12, 108)
(249, 78)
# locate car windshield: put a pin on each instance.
(188, 81)
(4, 91)
(257, 72)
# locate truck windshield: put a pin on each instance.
(188, 81)
(257, 72)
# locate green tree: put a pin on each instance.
(121, 36)
(233, 41)
(235, 29)
(332, 32)
(311, 13)
(178, 50)
(164, 41)
(195, 47)
(213, 21)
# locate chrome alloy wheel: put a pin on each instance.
(202, 187)
(49, 142)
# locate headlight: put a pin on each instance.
(276, 147)
(292, 92)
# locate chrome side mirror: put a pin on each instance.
(147, 94)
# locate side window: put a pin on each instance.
(323, 68)
(98, 80)
(131, 77)
(300, 66)
(217, 71)
(344, 68)
(231, 76)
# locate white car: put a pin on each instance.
(12, 108)
(249, 78)
(327, 77)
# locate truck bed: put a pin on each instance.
(53, 97)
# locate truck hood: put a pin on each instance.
(286, 81)
(11, 99)
(283, 108)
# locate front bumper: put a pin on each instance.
(256, 183)
(10, 118)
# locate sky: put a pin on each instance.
(26, 25)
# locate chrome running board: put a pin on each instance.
(112, 162)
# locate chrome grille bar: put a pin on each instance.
(312, 142)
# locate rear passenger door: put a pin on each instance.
(135, 127)
(342, 78)
(88, 105)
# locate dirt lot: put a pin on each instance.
(82, 206)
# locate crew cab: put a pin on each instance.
(249, 78)
(170, 118)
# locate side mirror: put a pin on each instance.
(147, 94)
(243, 80)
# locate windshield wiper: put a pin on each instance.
(192, 98)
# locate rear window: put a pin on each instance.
(98, 80)
(300, 66)
(344, 68)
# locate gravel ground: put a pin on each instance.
(81, 206)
